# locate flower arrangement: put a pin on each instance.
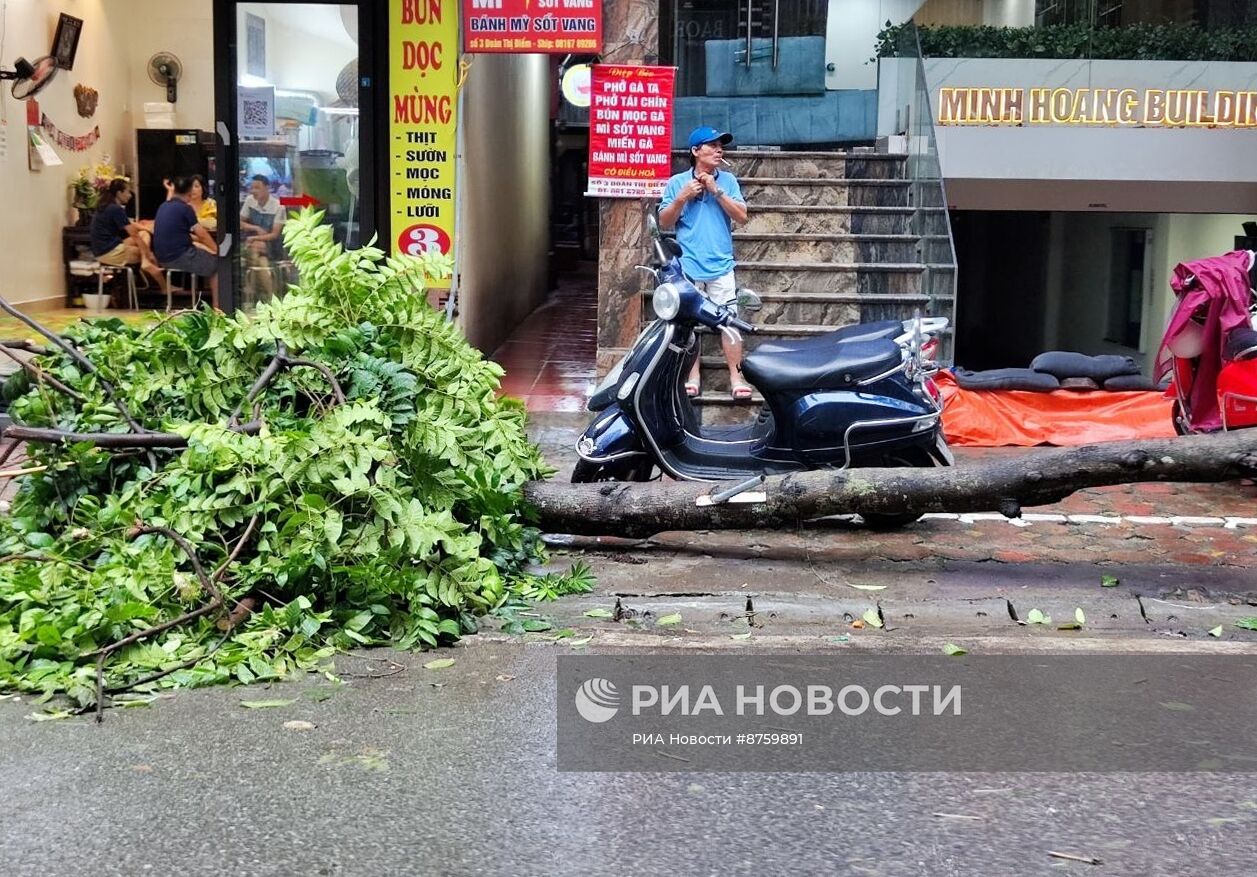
(90, 182)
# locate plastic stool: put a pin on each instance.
(170, 295)
(133, 297)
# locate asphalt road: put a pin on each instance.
(453, 771)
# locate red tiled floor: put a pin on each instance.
(550, 357)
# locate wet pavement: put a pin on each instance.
(408, 770)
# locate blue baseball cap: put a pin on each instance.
(707, 134)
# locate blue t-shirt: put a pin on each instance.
(172, 230)
(109, 228)
(704, 230)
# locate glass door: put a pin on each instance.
(294, 110)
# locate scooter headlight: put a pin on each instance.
(667, 301)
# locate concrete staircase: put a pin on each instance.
(832, 238)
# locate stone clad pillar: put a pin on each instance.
(630, 36)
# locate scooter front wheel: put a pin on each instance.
(633, 469)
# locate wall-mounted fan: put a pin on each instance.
(165, 69)
(30, 78)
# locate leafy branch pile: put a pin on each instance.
(218, 498)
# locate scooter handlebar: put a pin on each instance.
(741, 325)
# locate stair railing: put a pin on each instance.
(927, 192)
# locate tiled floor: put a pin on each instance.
(549, 359)
(57, 319)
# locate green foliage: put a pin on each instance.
(1165, 42)
(394, 518)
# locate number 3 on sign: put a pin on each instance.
(420, 239)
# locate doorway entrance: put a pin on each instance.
(295, 116)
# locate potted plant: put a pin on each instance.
(88, 185)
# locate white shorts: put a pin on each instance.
(722, 291)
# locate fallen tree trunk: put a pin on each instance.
(1037, 477)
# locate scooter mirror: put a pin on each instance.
(652, 225)
(749, 300)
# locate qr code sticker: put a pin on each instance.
(255, 114)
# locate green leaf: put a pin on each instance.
(872, 618)
(1216, 631)
(668, 620)
(1177, 707)
(1079, 616)
(1034, 616)
(746, 635)
(599, 613)
(866, 587)
(265, 704)
(951, 649)
(1248, 622)
(1108, 581)
(439, 664)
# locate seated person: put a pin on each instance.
(183, 244)
(261, 224)
(206, 208)
(116, 239)
(262, 219)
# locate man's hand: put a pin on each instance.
(708, 182)
(692, 190)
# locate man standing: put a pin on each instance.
(703, 203)
(175, 233)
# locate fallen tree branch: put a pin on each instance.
(216, 603)
(264, 379)
(28, 346)
(75, 355)
(41, 376)
(327, 373)
(1037, 478)
(113, 439)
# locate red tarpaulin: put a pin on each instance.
(1022, 418)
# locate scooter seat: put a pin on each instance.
(854, 332)
(819, 363)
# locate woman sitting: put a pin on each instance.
(116, 239)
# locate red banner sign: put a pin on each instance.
(630, 131)
(513, 26)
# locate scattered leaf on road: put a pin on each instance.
(746, 635)
(1217, 631)
(298, 725)
(871, 618)
(581, 643)
(1248, 623)
(842, 638)
(503, 677)
(664, 621)
(1079, 616)
(953, 649)
(1034, 616)
(265, 704)
(439, 664)
(49, 716)
(867, 587)
(1177, 707)
(1107, 581)
(598, 613)
(858, 624)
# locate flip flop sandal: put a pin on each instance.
(691, 389)
(742, 392)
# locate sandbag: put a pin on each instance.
(1067, 364)
(1006, 379)
(1127, 383)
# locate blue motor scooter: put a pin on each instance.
(859, 396)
